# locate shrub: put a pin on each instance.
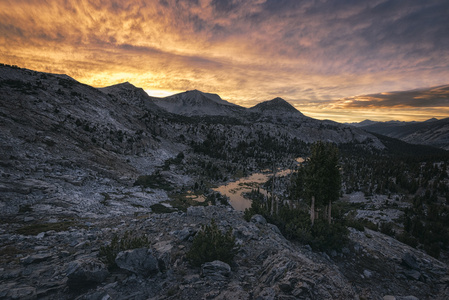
(211, 244)
(354, 223)
(43, 227)
(294, 223)
(327, 236)
(154, 181)
(25, 208)
(406, 238)
(360, 224)
(387, 228)
(370, 225)
(161, 209)
(108, 253)
(433, 249)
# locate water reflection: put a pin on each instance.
(192, 196)
(235, 190)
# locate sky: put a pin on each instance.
(340, 60)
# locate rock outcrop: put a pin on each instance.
(267, 266)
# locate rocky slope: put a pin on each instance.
(70, 155)
(65, 265)
(64, 143)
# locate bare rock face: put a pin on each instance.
(378, 260)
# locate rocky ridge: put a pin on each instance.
(65, 265)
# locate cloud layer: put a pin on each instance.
(419, 104)
(308, 52)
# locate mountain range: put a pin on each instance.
(120, 132)
(81, 166)
(431, 132)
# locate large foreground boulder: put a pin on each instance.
(140, 261)
(85, 273)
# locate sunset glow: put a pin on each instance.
(317, 56)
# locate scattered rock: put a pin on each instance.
(275, 229)
(412, 274)
(97, 295)
(86, 272)
(216, 270)
(333, 253)
(140, 261)
(25, 292)
(28, 219)
(245, 233)
(286, 287)
(36, 258)
(367, 273)
(258, 219)
(163, 252)
(195, 211)
(267, 294)
(409, 260)
(267, 266)
(407, 298)
(184, 234)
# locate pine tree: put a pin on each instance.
(322, 181)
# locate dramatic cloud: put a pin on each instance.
(308, 52)
(437, 97)
(417, 104)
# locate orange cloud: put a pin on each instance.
(246, 51)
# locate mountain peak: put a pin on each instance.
(366, 122)
(431, 120)
(276, 105)
(197, 103)
(210, 96)
(197, 97)
(120, 86)
(192, 93)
